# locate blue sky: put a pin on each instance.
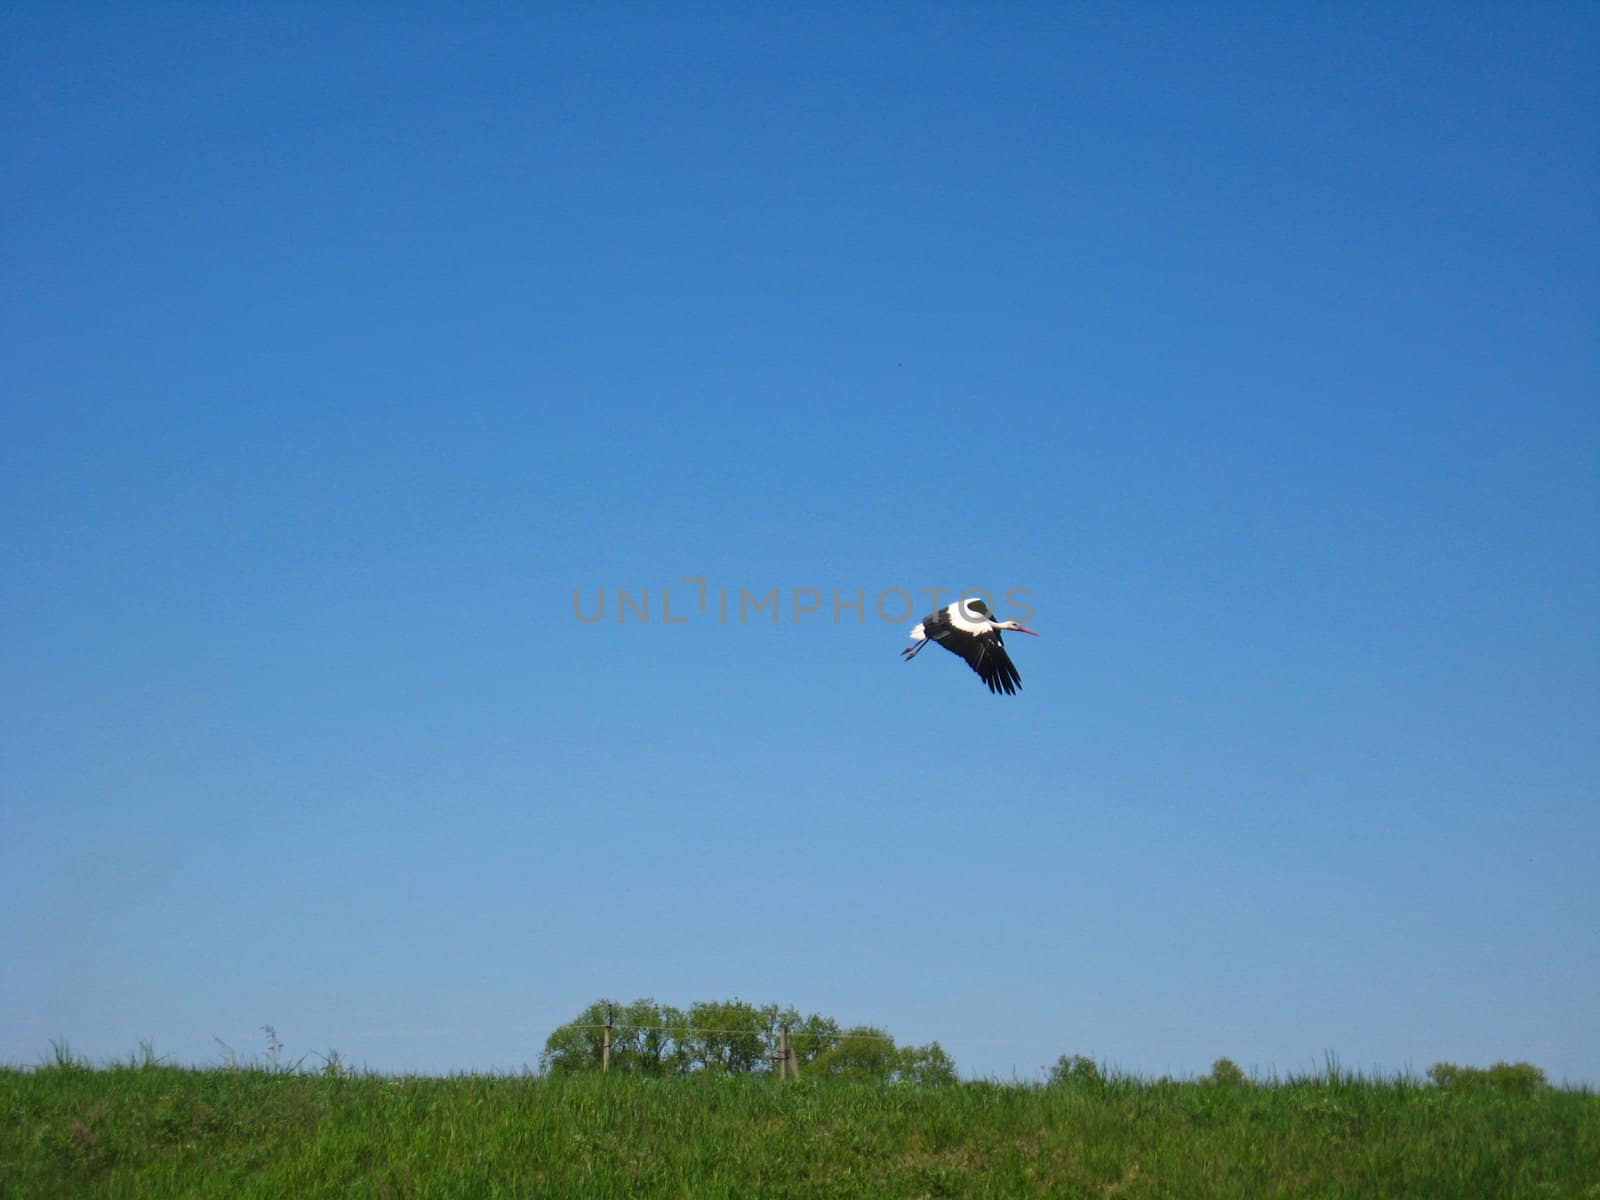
(347, 348)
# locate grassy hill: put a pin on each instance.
(68, 1130)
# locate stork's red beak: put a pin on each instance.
(1025, 629)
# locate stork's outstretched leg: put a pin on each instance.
(911, 652)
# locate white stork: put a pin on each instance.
(969, 629)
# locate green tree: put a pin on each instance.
(1520, 1078)
(862, 1052)
(641, 1041)
(925, 1065)
(865, 1052)
(1226, 1071)
(729, 1037)
(575, 1046)
(810, 1036)
(1072, 1069)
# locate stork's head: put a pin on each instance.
(1015, 627)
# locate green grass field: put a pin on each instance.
(145, 1129)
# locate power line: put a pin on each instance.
(794, 1031)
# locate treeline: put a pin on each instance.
(1520, 1078)
(734, 1038)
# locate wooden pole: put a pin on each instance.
(783, 1052)
(794, 1058)
(605, 1045)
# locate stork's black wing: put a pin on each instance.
(985, 653)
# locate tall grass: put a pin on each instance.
(144, 1128)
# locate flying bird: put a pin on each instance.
(969, 629)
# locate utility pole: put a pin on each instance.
(605, 1044)
(788, 1060)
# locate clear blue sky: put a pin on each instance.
(344, 345)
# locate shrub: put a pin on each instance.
(1226, 1071)
(925, 1065)
(1074, 1069)
(1517, 1079)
